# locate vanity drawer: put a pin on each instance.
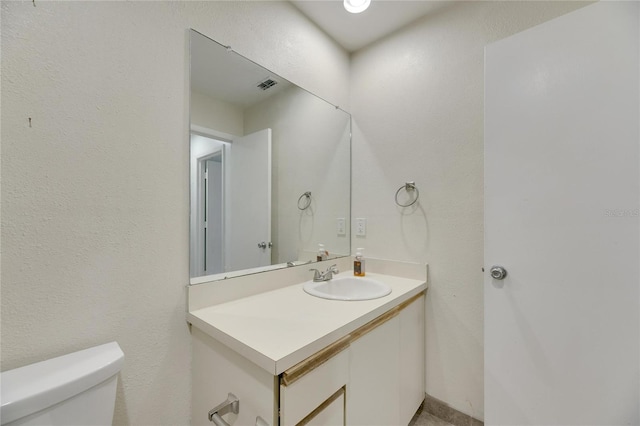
(300, 395)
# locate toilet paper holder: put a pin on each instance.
(231, 405)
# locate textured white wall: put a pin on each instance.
(417, 102)
(95, 234)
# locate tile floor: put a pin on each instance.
(422, 418)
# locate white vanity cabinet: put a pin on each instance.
(374, 375)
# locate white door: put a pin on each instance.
(249, 214)
(561, 216)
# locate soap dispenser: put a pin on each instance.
(358, 263)
(322, 253)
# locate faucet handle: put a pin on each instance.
(317, 274)
(328, 274)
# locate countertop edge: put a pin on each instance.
(240, 348)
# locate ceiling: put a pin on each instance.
(355, 31)
(212, 64)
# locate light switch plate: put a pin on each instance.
(341, 226)
(361, 226)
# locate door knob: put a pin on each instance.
(262, 245)
(498, 272)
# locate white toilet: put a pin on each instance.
(74, 389)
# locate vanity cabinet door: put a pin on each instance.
(387, 380)
(312, 396)
(374, 383)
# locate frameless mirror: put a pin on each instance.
(270, 168)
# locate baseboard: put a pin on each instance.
(450, 415)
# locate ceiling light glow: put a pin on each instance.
(356, 6)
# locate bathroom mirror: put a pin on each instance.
(270, 168)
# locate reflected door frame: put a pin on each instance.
(195, 246)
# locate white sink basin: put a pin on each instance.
(347, 288)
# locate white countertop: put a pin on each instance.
(279, 328)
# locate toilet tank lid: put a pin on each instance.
(34, 387)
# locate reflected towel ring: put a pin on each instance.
(408, 186)
(306, 202)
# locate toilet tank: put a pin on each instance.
(74, 389)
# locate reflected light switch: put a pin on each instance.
(341, 226)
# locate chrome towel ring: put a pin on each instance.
(306, 202)
(408, 186)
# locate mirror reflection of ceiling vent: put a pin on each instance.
(267, 83)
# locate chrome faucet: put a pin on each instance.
(326, 275)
